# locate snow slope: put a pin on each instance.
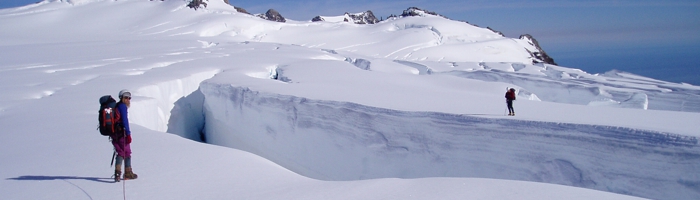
(409, 108)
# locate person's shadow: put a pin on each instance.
(47, 178)
(65, 179)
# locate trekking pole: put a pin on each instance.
(506, 109)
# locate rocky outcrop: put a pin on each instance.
(366, 17)
(540, 55)
(196, 4)
(415, 11)
(495, 31)
(241, 10)
(318, 19)
(272, 15)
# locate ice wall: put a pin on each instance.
(345, 141)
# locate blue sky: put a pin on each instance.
(564, 28)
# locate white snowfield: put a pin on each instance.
(230, 106)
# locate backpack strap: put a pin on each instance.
(118, 122)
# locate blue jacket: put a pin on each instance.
(124, 116)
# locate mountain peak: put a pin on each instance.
(539, 54)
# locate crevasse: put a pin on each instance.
(331, 140)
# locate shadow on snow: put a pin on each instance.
(47, 178)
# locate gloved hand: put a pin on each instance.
(128, 139)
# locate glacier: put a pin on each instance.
(409, 100)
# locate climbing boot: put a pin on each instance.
(129, 174)
(117, 173)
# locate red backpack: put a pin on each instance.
(109, 117)
(510, 95)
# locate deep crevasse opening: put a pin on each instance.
(172, 106)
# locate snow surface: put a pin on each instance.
(410, 108)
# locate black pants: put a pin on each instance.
(510, 106)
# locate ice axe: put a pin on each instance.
(113, 155)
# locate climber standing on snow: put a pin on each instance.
(122, 141)
(510, 97)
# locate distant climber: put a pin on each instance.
(510, 97)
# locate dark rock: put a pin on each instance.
(495, 31)
(366, 17)
(241, 10)
(540, 55)
(317, 19)
(196, 4)
(414, 11)
(273, 15)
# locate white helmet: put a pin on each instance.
(124, 93)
